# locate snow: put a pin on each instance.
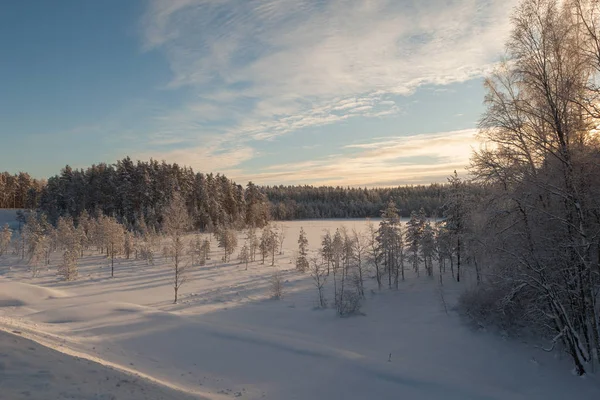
(31, 371)
(227, 338)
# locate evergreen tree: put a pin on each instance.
(302, 261)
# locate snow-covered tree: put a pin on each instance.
(68, 269)
(327, 250)
(114, 237)
(319, 274)
(390, 243)
(227, 239)
(277, 289)
(244, 256)
(542, 181)
(361, 249)
(375, 252)
(455, 213)
(5, 238)
(281, 233)
(427, 247)
(176, 222)
(301, 260)
(253, 243)
(266, 242)
(414, 231)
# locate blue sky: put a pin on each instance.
(360, 93)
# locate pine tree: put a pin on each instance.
(301, 261)
(265, 242)
(389, 237)
(327, 250)
(455, 214)
(414, 231)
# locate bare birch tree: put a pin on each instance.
(175, 224)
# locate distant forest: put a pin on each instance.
(137, 192)
(313, 202)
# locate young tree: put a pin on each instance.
(326, 249)
(114, 235)
(273, 244)
(227, 239)
(128, 244)
(428, 247)
(205, 250)
(414, 231)
(35, 243)
(337, 248)
(176, 222)
(196, 251)
(319, 275)
(375, 253)
(244, 255)
(443, 244)
(361, 248)
(68, 269)
(253, 243)
(277, 289)
(302, 261)
(281, 233)
(455, 213)
(5, 238)
(265, 242)
(390, 241)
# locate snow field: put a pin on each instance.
(227, 338)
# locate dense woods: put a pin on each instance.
(19, 190)
(310, 202)
(136, 194)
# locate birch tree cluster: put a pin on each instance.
(535, 237)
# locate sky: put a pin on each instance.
(322, 92)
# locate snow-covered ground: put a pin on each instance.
(227, 338)
(31, 371)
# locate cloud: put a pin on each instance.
(278, 66)
(382, 162)
(204, 158)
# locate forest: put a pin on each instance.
(129, 191)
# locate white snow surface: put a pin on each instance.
(227, 338)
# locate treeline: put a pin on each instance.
(138, 191)
(19, 190)
(314, 202)
(136, 194)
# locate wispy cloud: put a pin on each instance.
(301, 63)
(382, 162)
(205, 158)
